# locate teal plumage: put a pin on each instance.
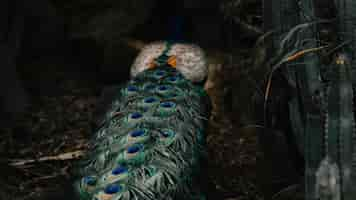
(150, 143)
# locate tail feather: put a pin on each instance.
(150, 143)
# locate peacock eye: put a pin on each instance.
(173, 79)
(167, 105)
(137, 133)
(119, 170)
(89, 180)
(132, 88)
(167, 137)
(167, 133)
(136, 115)
(112, 189)
(159, 73)
(134, 149)
(166, 109)
(150, 100)
(163, 88)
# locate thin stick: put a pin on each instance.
(64, 156)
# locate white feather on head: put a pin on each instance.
(190, 59)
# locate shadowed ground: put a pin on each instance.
(65, 92)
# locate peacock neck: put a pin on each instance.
(176, 24)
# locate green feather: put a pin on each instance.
(150, 143)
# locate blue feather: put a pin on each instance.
(154, 149)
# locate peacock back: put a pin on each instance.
(151, 142)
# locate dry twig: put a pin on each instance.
(64, 156)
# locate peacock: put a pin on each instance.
(151, 143)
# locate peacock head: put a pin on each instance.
(189, 59)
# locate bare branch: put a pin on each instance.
(64, 156)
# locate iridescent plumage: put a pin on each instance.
(151, 141)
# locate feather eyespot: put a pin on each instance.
(167, 133)
(89, 180)
(160, 73)
(132, 88)
(167, 137)
(137, 133)
(112, 189)
(168, 105)
(173, 79)
(119, 170)
(166, 109)
(150, 100)
(162, 88)
(134, 149)
(136, 115)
